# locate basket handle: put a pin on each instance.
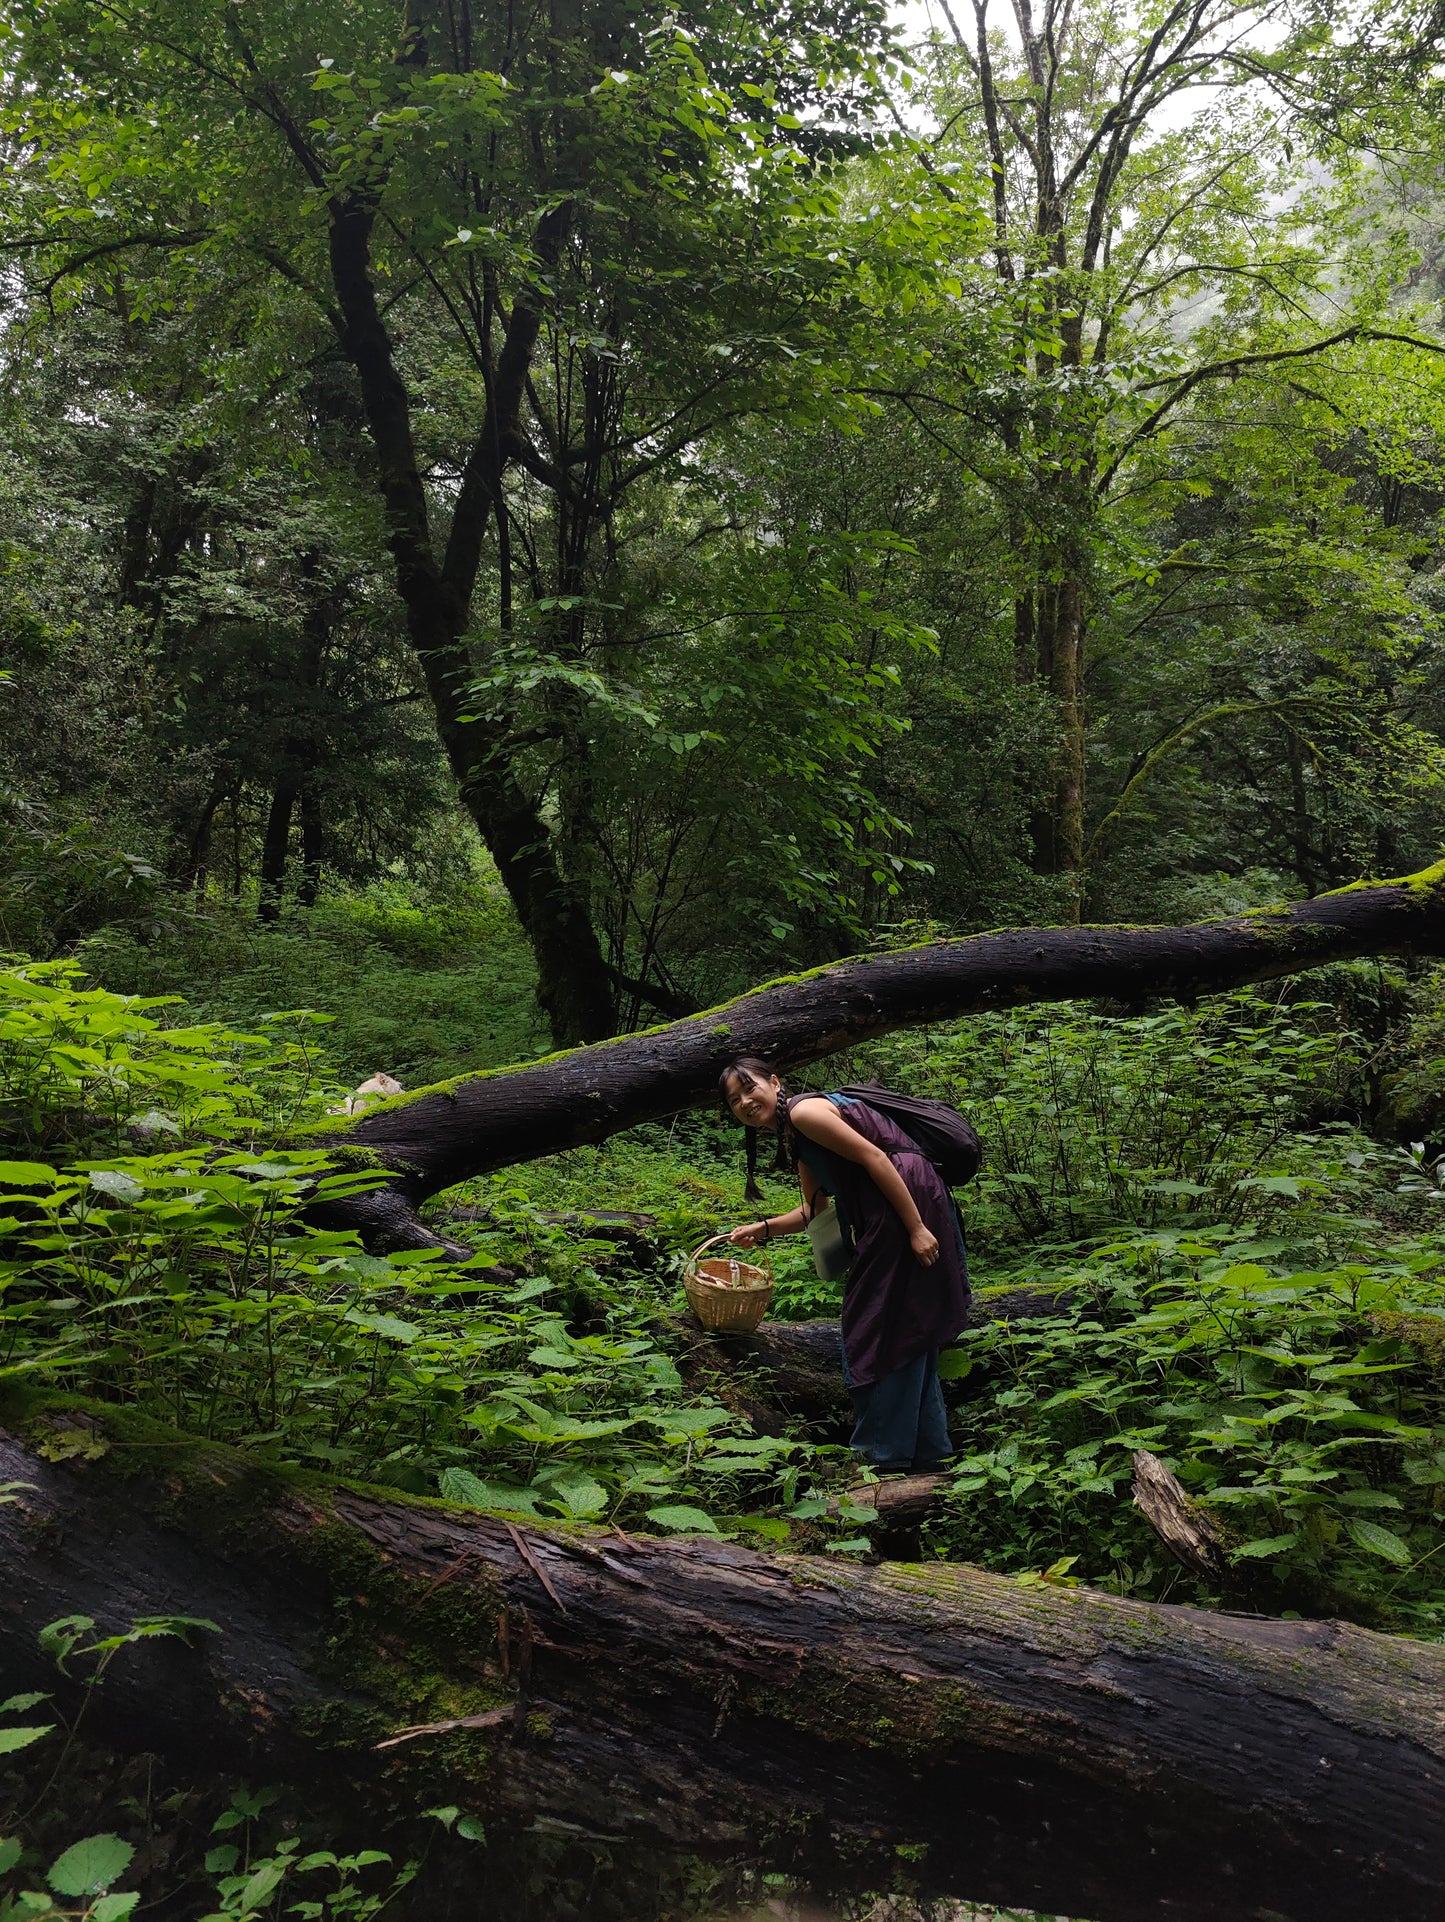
(706, 1244)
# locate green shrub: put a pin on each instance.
(1304, 1406)
(187, 1282)
(418, 993)
(1090, 1119)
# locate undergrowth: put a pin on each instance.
(1232, 1275)
(186, 1281)
(1219, 1263)
(416, 993)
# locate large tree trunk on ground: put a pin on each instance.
(438, 1137)
(1053, 1748)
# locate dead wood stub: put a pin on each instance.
(1184, 1529)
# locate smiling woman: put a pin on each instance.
(906, 1294)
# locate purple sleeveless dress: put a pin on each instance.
(894, 1309)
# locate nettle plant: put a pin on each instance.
(1091, 1119)
(1304, 1407)
(186, 1283)
(83, 1069)
(80, 1881)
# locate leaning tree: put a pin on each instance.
(432, 1139)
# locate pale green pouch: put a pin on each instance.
(831, 1253)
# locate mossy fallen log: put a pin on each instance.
(1044, 1747)
(433, 1138)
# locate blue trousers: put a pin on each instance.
(901, 1420)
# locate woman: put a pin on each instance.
(907, 1290)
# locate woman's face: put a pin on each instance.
(753, 1100)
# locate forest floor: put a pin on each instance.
(1230, 1260)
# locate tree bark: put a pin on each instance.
(274, 848)
(1185, 1530)
(436, 1137)
(572, 985)
(1054, 1748)
(313, 843)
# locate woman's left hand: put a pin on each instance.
(924, 1244)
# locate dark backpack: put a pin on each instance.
(949, 1142)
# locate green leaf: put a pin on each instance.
(12, 1739)
(111, 1908)
(9, 1853)
(471, 1829)
(683, 1520)
(27, 1174)
(1381, 1541)
(388, 1325)
(772, 1528)
(92, 1865)
(18, 1704)
(262, 1885)
(1266, 1545)
(580, 1495)
(460, 1485)
(117, 1184)
(446, 1815)
(954, 1364)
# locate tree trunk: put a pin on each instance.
(1067, 683)
(313, 844)
(1054, 1748)
(192, 872)
(274, 847)
(437, 1137)
(1057, 829)
(572, 984)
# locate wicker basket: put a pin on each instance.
(727, 1295)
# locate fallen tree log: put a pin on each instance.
(436, 1137)
(1054, 1748)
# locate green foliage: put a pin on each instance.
(187, 1283)
(1302, 1406)
(81, 1067)
(1091, 1118)
(417, 992)
(264, 1873)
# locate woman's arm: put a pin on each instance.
(796, 1219)
(754, 1233)
(820, 1121)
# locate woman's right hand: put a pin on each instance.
(750, 1235)
(924, 1244)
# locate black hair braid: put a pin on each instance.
(751, 1190)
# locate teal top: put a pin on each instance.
(826, 1167)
